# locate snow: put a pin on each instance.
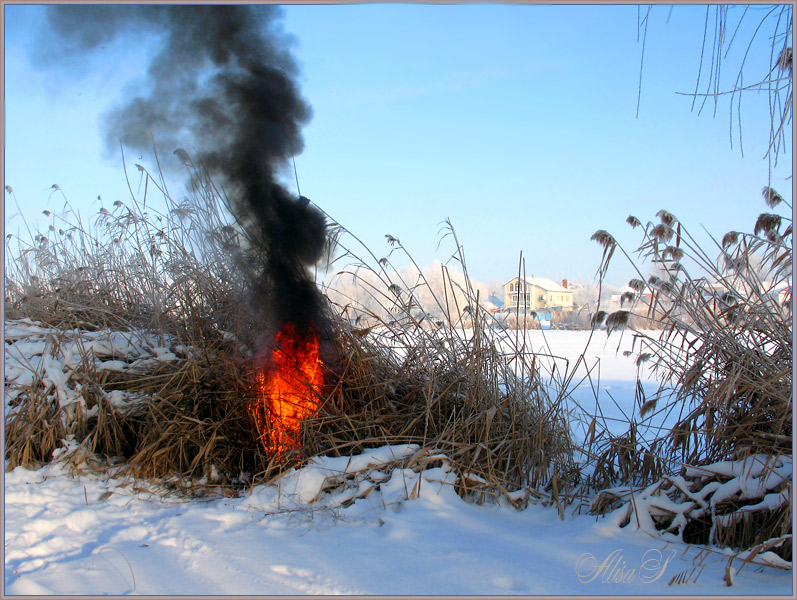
(34, 352)
(385, 522)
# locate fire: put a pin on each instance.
(287, 390)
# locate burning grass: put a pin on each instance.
(289, 390)
(189, 395)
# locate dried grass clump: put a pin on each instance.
(452, 399)
(133, 266)
(181, 418)
(724, 357)
(34, 432)
(194, 423)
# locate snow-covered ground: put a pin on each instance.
(358, 525)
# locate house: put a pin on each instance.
(496, 299)
(537, 294)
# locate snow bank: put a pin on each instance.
(317, 531)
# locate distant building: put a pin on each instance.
(537, 294)
(496, 299)
(493, 303)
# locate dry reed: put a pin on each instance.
(724, 358)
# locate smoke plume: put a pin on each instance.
(222, 83)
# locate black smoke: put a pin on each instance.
(222, 83)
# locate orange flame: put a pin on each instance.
(287, 390)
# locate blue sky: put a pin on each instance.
(518, 123)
